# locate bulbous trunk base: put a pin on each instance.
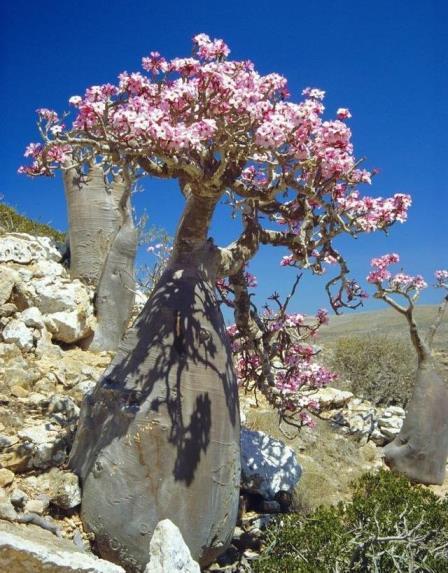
(420, 450)
(159, 437)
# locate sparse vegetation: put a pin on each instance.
(13, 222)
(378, 367)
(330, 460)
(389, 526)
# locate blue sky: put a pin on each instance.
(384, 60)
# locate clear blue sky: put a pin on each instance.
(385, 60)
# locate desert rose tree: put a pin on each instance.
(420, 450)
(102, 238)
(159, 436)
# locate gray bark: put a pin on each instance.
(103, 244)
(420, 450)
(115, 292)
(94, 219)
(159, 437)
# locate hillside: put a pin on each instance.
(384, 321)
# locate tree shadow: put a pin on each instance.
(165, 374)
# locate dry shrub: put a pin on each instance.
(378, 368)
(13, 222)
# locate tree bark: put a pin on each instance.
(115, 292)
(420, 450)
(160, 435)
(103, 245)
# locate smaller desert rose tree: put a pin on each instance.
(160, 435)
(420, 450)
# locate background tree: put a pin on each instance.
(420, 450)
(159, 436)
(101, 236)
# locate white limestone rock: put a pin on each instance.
(16, 332)
(23, 248)
(30, 549)
(45, 443)
(59, 295)
(331, 398)
(61, 487)
(68, 327)
(267, 465)
(8, 278)
(33, 318)
(169, 552)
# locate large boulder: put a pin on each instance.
(36, 288)
(30, 549)
(24, 249)
(268, 466)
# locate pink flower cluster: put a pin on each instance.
(303, 374)
(399, 283)
(403, 282)
(210, 49)
(381, 264)
(441, 278)
(196, 106)
(369, 213)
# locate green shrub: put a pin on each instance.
(11, 221)
(379, 368)
(389, 526)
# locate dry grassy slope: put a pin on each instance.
(385, 321)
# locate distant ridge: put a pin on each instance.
(385, 321)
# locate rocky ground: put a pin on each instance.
(45, 319)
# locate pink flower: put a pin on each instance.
(154, 63)
(343, 113)
(208, 49)
(48, 114)
(385, 260)
(75, 100)
(314, 93)
(251, 280)
(442, 278)
(33, 150)
(287, 261)
(322, 316)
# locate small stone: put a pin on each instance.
(65, 491)
(33, 317)
(6, 441)
(7, 309)
(19, 392)
(18, 333)
(6, 477)
(8, 278)
(7, 510)
(44, 498)
(18, 498)
(35, 506)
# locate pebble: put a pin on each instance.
(35, 506)
(6, 477)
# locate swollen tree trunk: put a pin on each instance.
(420, 450)
(159, 436)
(103, 244)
